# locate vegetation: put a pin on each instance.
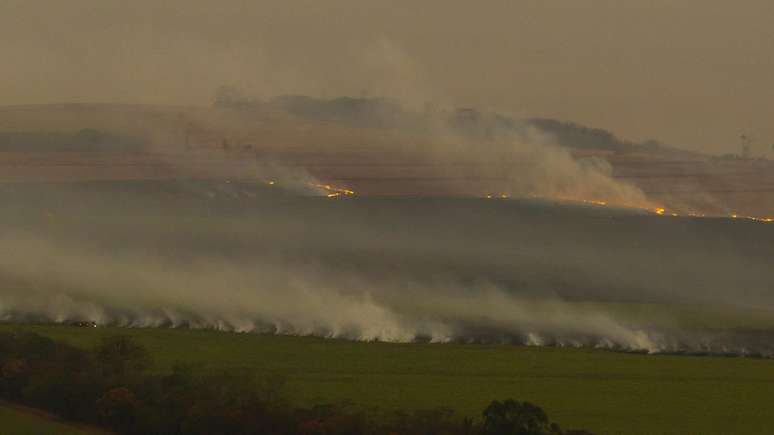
(16, 421)
(573, 135)
(381, 112)
(605, 392)
(113, 386)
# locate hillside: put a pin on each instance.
(122, 142)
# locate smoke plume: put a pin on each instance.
(250, 257)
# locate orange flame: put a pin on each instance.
(330, 191)
(660, 211)
(333, 192)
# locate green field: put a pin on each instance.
(15, 421)
(606, 392)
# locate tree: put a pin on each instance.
(118, 408)
(120, 356)
(517, 418)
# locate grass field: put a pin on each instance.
(16, 421)
(606, 392)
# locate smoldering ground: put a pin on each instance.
(252, 257)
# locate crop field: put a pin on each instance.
(603, 391)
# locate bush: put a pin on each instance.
(516, 418)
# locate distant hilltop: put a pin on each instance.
(387, 113)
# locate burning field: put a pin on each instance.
(428, 230)
(541, 268)
(320, 260)
(353, 217)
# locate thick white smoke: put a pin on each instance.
(245, 256)
(65, 283)
(265, 295)
(531, 163)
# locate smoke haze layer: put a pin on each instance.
(702, 79)
(252, 257)
(296, 139)
(478, 211)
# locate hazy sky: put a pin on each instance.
(695, 73)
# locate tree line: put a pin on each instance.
(114, 386)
